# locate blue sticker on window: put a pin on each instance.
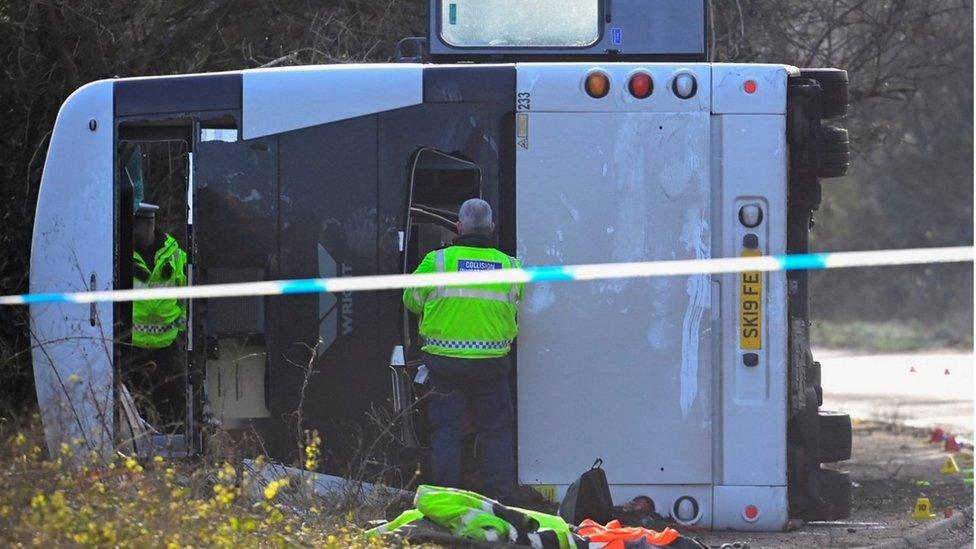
(452, 14)
(616, 36)
(478, 265)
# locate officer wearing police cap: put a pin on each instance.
(157, 367)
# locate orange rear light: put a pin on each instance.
(597, 84)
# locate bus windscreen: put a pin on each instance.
(520, 23)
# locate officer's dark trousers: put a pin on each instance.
(481, 386)
(155, 379)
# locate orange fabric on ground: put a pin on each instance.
(616, 536)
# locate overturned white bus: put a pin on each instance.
(598, 132)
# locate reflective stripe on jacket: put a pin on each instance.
(157, 322)
(477, 321)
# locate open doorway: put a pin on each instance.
(438, 184)
(155, 406)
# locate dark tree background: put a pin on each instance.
(911, 120)
(911, 123)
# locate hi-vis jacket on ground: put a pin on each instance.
(157, 322)
(477, 321)
(471, 516)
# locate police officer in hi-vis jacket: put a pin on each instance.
(156, 371)
(467, 334)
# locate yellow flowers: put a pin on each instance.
(57, 499)
(227, 472)
(312, 450)
(271, 490)
(132, 464)
(171, 503)
(274, 516)
(38, 501)
(108, 533)
(246, 525)
(224, 494)
(224, 491)
(66, 450)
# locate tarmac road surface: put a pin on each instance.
(908, 389)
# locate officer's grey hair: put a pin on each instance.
(475, 216)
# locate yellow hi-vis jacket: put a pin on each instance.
(477, 321)
(157, 322)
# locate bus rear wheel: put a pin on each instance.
(835, 497)
(835, 152)
(835, 97)
(835, 436)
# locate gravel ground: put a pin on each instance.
(953, 538)
(886, 465)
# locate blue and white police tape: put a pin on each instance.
(553, 273)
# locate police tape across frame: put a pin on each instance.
(552, 273)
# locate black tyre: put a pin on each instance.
(836, 158)
(835, 152)
(835, 436)
(835, 97)
(836, 497)
(832, 170)
(828, 148)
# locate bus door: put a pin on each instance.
(153, 227)
(235, 226)
(438, 184)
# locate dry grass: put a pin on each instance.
(70, 500)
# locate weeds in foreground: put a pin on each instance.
(67, 499)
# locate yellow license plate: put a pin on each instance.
(750, 306)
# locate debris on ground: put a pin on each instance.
(892, 467)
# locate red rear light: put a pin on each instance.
(641, 86)
(751, 512)
(750, 86)
(597, 84)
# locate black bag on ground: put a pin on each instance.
(588, 497)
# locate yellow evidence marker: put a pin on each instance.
(950, 467)
(923, 510)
